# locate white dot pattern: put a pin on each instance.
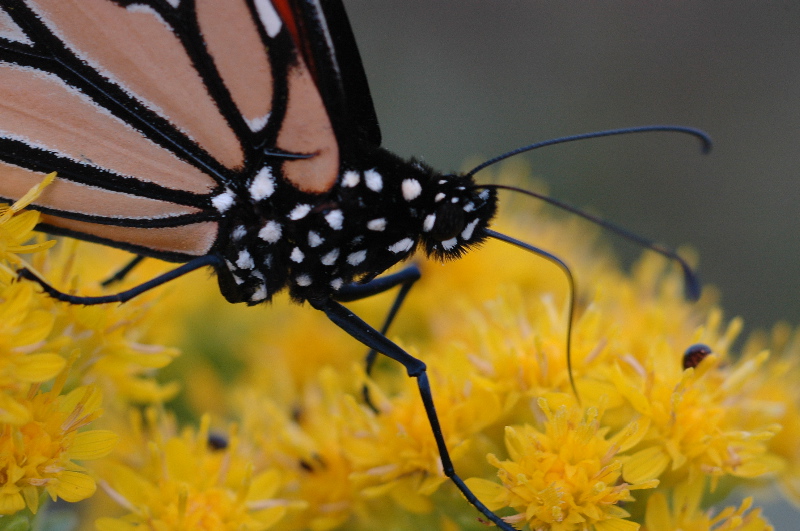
(377, 224)
(223, 201)
(411, 189)
(314, 239)
(402, 246)
(330, 257)
(356, 258)
(245, 261)
(271, 232)
(263, 184)
(350, 179)
(299, 212)
(374, 180)
(335, 219)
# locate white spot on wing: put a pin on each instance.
(223, 201)
(374, 180)
(297, 255)
(449, 244)
(337, 283)
(335, 218)
(350, 179)
(11, 30)
(430, 220)
(378, 224)
(356, 258)
(314, 239)
(263, 184)
(303, 280)
(299, 212)
(271, 232)
(269, 17)
(469, 207)
(330, 258)
(439, 197)
(245, 261)
(257, 124)
(411, 189)
(466, 234)
(402, 246)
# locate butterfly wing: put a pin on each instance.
(322, 33)
(148, 109)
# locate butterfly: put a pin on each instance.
(233, 134)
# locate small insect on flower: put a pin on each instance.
(695, 354)
(240, 136)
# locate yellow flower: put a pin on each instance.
(771, 399)
(16, 228)
(111, 338)
(567, 477)
(24, 356)
(312, 454)
(38, 454)
(181, 482)
(687, 514)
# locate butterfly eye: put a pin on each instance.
(449, 221)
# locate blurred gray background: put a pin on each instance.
(454, 79)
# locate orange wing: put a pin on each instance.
(146, 110)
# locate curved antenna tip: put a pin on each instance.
(705, 140)
(692, 285)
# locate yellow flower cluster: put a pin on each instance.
(284, 437)
(58, 364)
(179, 480)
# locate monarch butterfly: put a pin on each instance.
(235, 134)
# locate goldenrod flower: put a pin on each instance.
(313, 454)
(39, 453)
(24, 356)
(178, 481)
(567, 477)
(685, 513)
(16, 228)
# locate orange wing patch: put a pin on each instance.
(50, 113)
(193, 240)
(239, 55)
(135, 48)
(307, 128)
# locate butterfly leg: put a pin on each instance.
(363, 332)
(122, 273)
(353, 292)
(197, 263)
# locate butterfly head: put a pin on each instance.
(456, 217)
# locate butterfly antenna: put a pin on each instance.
(568, 272)
(691, 281)
(705, 141)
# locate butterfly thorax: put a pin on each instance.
(375, 216)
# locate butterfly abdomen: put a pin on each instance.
(377, 213)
